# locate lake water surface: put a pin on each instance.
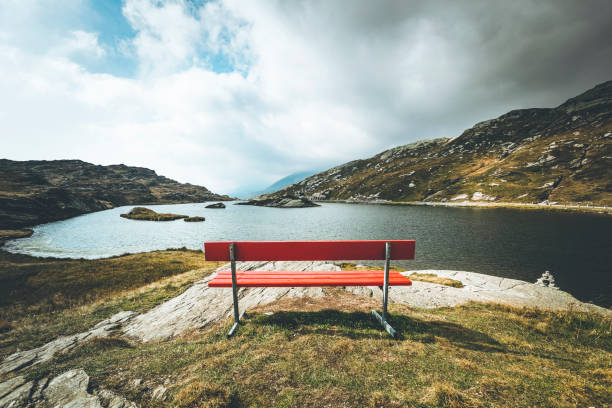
(576, 248)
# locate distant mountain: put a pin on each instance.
(34, 192)
(561, 154)
(282, 183)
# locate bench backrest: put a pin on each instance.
(308, 250)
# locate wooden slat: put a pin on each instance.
(302, 279)
(309, 250)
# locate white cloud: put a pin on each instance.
(315, 83)
(79, 43)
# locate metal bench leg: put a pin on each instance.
(237, 316)
(383, 319)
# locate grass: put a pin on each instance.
(43, 298)
(351, 266)
(145, 214)
(330, 352)
(423, 277)
(433, 278)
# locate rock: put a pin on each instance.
(5, 235)
(200, 305)
(547, 280)
(479, 288)
(42, 384)
(478, 195)
(146, 214)
(28, 358)
(158, 392)
(281, 202)
(217, 205)
(194, 219)
(70, 390)
(459, 197)
(9, 385)
(18, 395)
(111, 400)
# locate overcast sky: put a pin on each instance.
(233, 95)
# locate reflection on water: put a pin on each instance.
(577, 249)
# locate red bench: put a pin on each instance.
(310, 251)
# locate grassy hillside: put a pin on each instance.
(38, 191)
(329, 352)
(562, 155)
(43, 298)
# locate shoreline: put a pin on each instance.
(470, 275)
(576, 208)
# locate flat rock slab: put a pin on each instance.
(28, 358)
(478, 287)
(200, 305)
(69, 389)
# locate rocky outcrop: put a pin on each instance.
(556, 155)
(200, 305)
(194, 219)
(280, 202)
(216, 205)
(22, 359)
(6, 235)
(146, 214)
(478, 287)
(69, 389)
(35, 192)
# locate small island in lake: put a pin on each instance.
(194, 219)
(216, 205)
(146, 214)
(280, 202)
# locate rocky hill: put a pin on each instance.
(561, 154)
(34, 192)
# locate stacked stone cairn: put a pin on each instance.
(547, 280)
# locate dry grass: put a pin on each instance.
(329, 352)
(433, 278)
(43, 298)
(29, 284)
(351, 266)
(198, 394)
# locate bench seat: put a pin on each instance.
(244, 279)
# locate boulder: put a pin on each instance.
(216, 205)
(281, 202)
(28, 358)
(146, 214)
(194, 219)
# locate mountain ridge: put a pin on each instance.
(38, 191)
(533, 155)
(281, 183)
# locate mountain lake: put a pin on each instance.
(519, 244)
